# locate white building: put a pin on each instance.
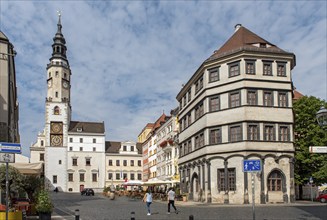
(72, 151)
(123, 162)
(236, 106)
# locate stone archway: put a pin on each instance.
(276, 186)
(195, 187)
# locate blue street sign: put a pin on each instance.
(10, 148)
(251, 165)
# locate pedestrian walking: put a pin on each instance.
(171, 200)
(148, 200)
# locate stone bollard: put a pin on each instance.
(24, 214)
(76, 214)
(132, 215)
(191, 217)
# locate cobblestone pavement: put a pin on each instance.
(99, 207)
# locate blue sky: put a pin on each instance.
(129, 59)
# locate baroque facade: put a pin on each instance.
(238, 106)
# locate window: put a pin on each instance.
(74, 161)
(268, 98)
(199, 84)
(56, 94)
(253, 132)
(117, 162)
(71, 140)
(94, 149)
(269, 133)
(235, 133)
(189, 146)
(94, 177)
(132, 163)
(282, 99)
(214, 104)
(117, 176)
(81, 140)
(59, 162)
(124, 148)
(132, 148)
(132, 176)
(234, 99)
(196, 142)
(110, 163)
(70, 148)
(42, 143)
(275, 181)
(57, 73)
(56, 109)
(124, 176)
(267, 68)
(284, 133)
(49, 74)
(70, 177)
(139, 163)
(184, 100)
(189, 97)
(125, 163)
(80, 148)
(215, 136)
(94, 140)
(54, 179)
(81, 177)
(109, 176)
(87, 161)
(252, 97)
(231, 181)
(201, 140)
(189, 120)
(213, 74)
(250, 67)
(234, 69)
(199, 111)
(281, 69)
(139, 176)
(41, 156)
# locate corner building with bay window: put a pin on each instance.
(238, 106)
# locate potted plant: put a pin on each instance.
(44, 205)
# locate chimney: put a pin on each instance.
(237, 26)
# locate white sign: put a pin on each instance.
(318, 149)
(7, 158)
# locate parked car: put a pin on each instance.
(87, 192)
(322, 198)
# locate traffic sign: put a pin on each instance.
(251, 165)
(10, 148)
(318, 149)
(7, 158)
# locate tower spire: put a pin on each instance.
(59, 22)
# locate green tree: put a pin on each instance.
(309, 133)
(16, 179)
(32, 185)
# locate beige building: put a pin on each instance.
(238, 106)
(9, 110)
(123, 162)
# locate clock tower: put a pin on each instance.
(58, 113)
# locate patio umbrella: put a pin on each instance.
(133, 183)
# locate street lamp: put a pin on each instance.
(321, 116)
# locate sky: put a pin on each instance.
(129, 59)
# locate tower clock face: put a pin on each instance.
(56, 128)
(56, 140)
(65, 84)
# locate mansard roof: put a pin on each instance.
(86, 127)
(244, 39)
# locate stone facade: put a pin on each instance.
(238, 106)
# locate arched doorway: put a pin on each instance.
(276, 186)
(195, 187)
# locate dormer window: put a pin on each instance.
(79, 129)
(263, 45)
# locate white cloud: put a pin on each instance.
(129, 59)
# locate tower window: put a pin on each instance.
(49, 74)
(57, 73)
(56, 94)
(56, 110)
(65, 75)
